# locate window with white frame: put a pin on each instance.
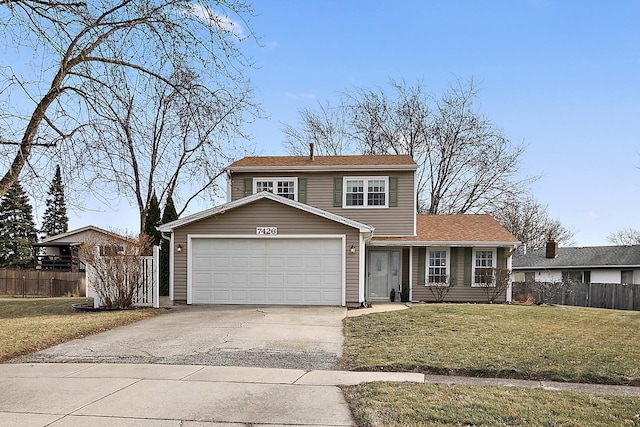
(437, 268)
(366, 192)
(484, 268)
(285, 187)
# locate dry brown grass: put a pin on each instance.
(32, 324)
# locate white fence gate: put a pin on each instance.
(145, 295)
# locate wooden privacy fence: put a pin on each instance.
(597, 295)
(41, 283)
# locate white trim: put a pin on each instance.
(410, 274)
(365, 189)
(447, 251)
(361, 268)
(218, 210)
(330, 168)
(452, 244)
(156, 276)
(494, 261)
(275, 181)
(191, 237)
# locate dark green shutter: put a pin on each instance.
(502, 263)
(248, 187)
(453, 266)
(302, 190)
(337, 192)
(393, 191)
(468, 255)
(422, 261)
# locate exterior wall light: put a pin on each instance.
(179, 248)
(352, 249)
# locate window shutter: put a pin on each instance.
(337, 192)
(393, 191)
(422, 261)
(468, 260)
(453, 266)
(302, 190)
(502, 262)
(248, 187)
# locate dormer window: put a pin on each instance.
(285, 187)
(366, 192)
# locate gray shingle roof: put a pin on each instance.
(592, 256)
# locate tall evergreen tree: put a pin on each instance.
(152, 220)
(17, 229)
(55, 220)
(168, 215)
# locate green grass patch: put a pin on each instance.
(406, 404)
(32, 324)
(530, 342)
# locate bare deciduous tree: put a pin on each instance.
(624, 237)
(496, 283)
(115, 269)
(530, 223)
(465, 164)
(77, 50)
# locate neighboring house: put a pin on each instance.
(329, 230)
(596, 264)
(60, 252)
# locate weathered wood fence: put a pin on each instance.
(42, 283)
(598, 295)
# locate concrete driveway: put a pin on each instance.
(307, 338)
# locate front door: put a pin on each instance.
(379, 274)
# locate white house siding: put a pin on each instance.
(605, 276)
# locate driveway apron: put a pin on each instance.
(306, 338)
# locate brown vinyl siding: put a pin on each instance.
(265, 213)
(392, 221)
(459, 291)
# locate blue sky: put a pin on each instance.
(562, 77)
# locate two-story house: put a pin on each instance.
(329, 230)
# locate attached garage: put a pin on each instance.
(305, 270)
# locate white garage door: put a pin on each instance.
(266, 271)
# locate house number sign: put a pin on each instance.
(266, 231)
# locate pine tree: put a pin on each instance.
(55, 220)
(17, 229)
(152, 220)
(168, 215)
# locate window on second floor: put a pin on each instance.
(285, 187)
(626, 277)
(366, 192)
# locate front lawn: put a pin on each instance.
(530, 342)
(32, 324)
(385, 404)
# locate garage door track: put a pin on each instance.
(307, 338)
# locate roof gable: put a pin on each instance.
(80, 231)
(576, 257)
(169, 227)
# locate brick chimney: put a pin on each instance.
(311, 151)
(552, 249)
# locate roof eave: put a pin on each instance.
(476, 244)
(327, 168)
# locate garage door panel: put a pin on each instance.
(267, 271)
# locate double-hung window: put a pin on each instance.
(363, 192)
(484, 265)
(437, 268)
(285, 187)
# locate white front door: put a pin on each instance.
(379, 274)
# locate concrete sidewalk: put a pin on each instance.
(64, 395)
